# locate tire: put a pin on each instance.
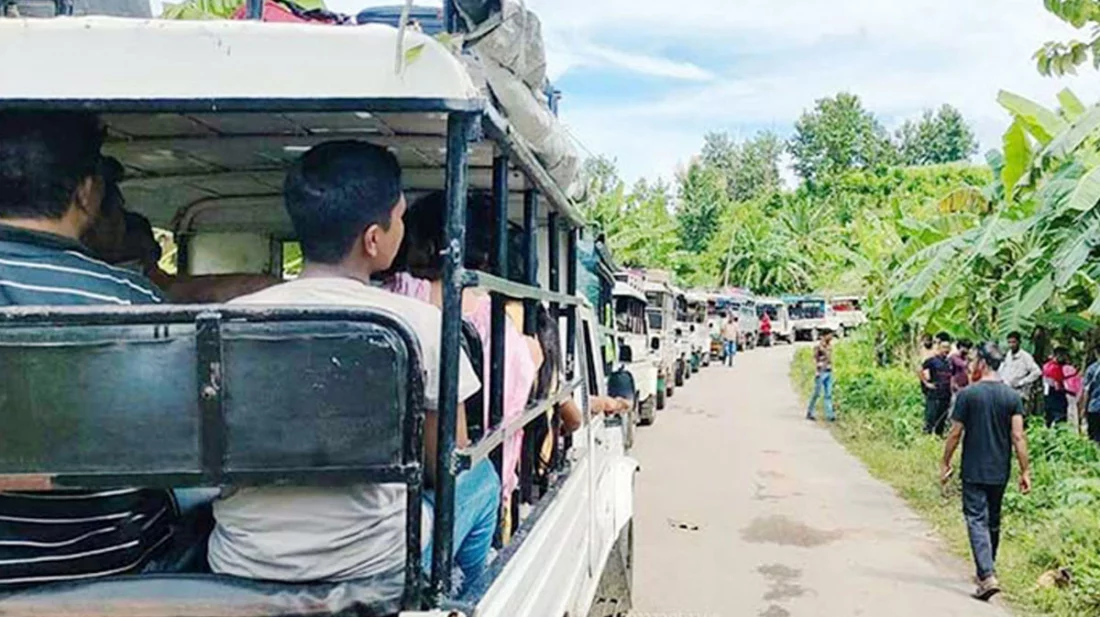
(679, 380)
(660, 401)
(647, 409)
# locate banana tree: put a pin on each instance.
(1029, 261)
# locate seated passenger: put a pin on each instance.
(126, 239)
(422, 253)
(346, 204)
(50, 192)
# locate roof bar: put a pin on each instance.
(518, 291)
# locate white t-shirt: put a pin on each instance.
(310, 534)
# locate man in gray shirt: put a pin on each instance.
(1019, 371)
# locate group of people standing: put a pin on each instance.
(1067, 394)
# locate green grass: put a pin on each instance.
(1057, 526)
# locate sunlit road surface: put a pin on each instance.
(744, 508)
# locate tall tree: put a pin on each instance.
(940, 137)
(836, 136)
(702, 200)
(1061, 57)
(748, 169)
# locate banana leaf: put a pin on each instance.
(1042, 123)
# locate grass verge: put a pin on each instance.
(1057, 526)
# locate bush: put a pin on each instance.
(1056, 526)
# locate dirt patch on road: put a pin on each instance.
(784, 531)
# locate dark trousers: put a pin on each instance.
(1093, 420)
(1056, 406)
(936, 410)
(982, 509)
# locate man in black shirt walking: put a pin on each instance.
(988, 419)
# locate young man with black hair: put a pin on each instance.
(936, 380)
(1019, 371)
(51, 189)
(346, 204)
(988, 420)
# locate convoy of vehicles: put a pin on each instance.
(205, 144)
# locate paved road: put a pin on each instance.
(744, 508)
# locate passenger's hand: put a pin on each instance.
(1025, 482)
(621, 405)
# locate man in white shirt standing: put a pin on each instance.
(346, 203)
(1019, 370)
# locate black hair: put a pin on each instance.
(926, 341)
(1015, 335)
(548, 335)
(1061, 351)
(421, 252)
(990, 353)
(965, 344)
(944, 337)
(44, 156)
(336, 191)
(141, 242)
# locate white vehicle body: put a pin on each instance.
(782, 328)
(633, 332)
(199, 114)
(811, 317)
(849, 311)
(661, 317)
(698, 328)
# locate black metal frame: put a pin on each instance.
(208, 322)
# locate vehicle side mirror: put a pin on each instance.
(626, 354)
(655, 344)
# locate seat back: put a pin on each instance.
(208, 396)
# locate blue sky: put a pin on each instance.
(644, 80)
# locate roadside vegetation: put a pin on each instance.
(1050, 552)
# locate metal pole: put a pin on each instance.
(497, 319)
(255, 9)
(555, 259)
(571, 289)
(458, 132)
(531, 255)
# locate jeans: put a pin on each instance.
(731, 351)
(936, 410)
(982, 509)
(1093, 420)
(477, 504)
(823, 384)
(1056, 407)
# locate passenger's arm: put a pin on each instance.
(1019, 443)
(572, 419)
(953, 439)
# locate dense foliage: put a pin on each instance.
(1022, 255)
(1057, 526)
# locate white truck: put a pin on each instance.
(849, 312)
(812, 316)
(661, 315)
(632, 329)
(779, 314)
(206, 137)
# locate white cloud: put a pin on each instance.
(758, 62)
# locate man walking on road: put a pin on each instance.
(936, 378)
(731, 334)
(823, 381)
(988, 419)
